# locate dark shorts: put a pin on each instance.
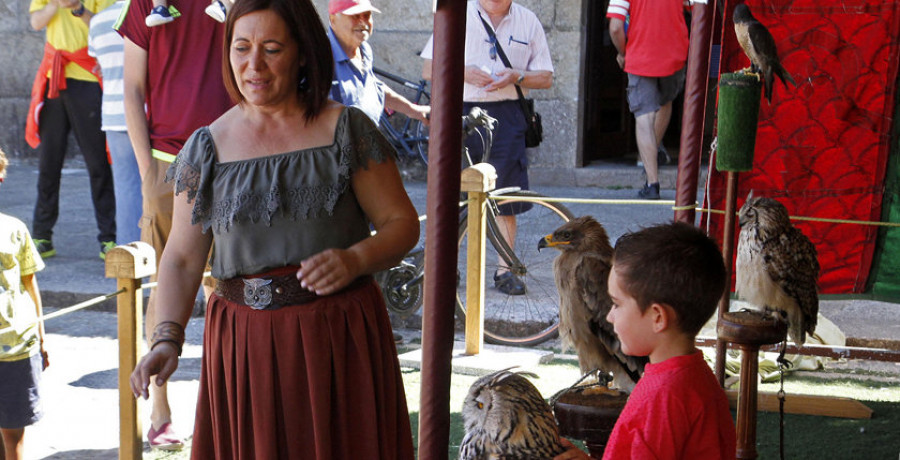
(648, 94)
(508, 150)
(20, 395)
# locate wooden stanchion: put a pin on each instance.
(128, 264)
(749, 330)
(477, 181)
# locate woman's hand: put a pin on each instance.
(161, 362)
(328, 271)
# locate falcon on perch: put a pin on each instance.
(759, 46)
(581, 271)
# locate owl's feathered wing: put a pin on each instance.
(506, 417)
(778, 269)
(581, 272)
(793, 265)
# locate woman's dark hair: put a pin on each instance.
(314, 49)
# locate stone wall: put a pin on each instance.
(400, 33)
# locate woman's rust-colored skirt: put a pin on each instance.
(314, 381)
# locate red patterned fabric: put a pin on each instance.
(822, 148)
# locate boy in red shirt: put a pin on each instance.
(665, 284)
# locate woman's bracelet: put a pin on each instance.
(168, 331)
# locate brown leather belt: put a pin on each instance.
(272, 292)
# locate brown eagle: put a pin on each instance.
(581, 271)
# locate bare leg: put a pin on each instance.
(13, 443)
(663, 116)
(162, 3)
(507, 227)
(647, 144)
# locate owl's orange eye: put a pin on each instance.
(481, 405)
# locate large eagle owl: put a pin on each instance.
(759, 46)
(581, 271)
(777, 269)
(505, 417)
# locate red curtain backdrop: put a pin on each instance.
(822, 147)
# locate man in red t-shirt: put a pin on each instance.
(175, 71)
(656, 48)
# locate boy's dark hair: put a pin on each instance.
(674, 264)
(313, 45)
(3, 163)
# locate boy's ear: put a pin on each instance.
(662, 317)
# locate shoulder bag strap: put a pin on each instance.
(490, 32)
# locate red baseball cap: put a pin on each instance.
(351, 7)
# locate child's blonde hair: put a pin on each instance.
(3, 163)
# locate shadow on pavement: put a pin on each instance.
(188, 370)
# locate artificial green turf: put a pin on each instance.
(806, 437)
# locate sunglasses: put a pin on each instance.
(493, 51)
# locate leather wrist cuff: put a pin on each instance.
(168, 331)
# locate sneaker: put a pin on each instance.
(217, 11)
(509, 284)
(44, 247)
(649, 192)
(158, 16)
(105, 247)
(164, 438)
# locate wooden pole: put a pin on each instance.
(750, 330)
(728, 255)
(746, 406)
(128, 264)
(442, 228)
(477, 181)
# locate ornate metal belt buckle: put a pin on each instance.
(257, 293)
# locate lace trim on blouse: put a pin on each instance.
(355, 144)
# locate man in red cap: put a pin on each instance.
(355, 83)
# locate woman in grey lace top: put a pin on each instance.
(299, 359)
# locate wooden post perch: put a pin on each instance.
(477, 181)
(128, 264)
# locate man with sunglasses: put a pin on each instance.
(516, 32)
(355, 83)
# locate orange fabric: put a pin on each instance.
(56, 61)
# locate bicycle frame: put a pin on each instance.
(405, 138)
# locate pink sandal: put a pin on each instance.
(164, 438)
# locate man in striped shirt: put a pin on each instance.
(106, 45)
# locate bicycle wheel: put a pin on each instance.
(528, 319)
(420, 140)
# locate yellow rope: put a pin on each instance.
(582, 200)
(679, 208)
(87, 303)
(63, 311)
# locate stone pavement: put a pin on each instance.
(80, 394)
